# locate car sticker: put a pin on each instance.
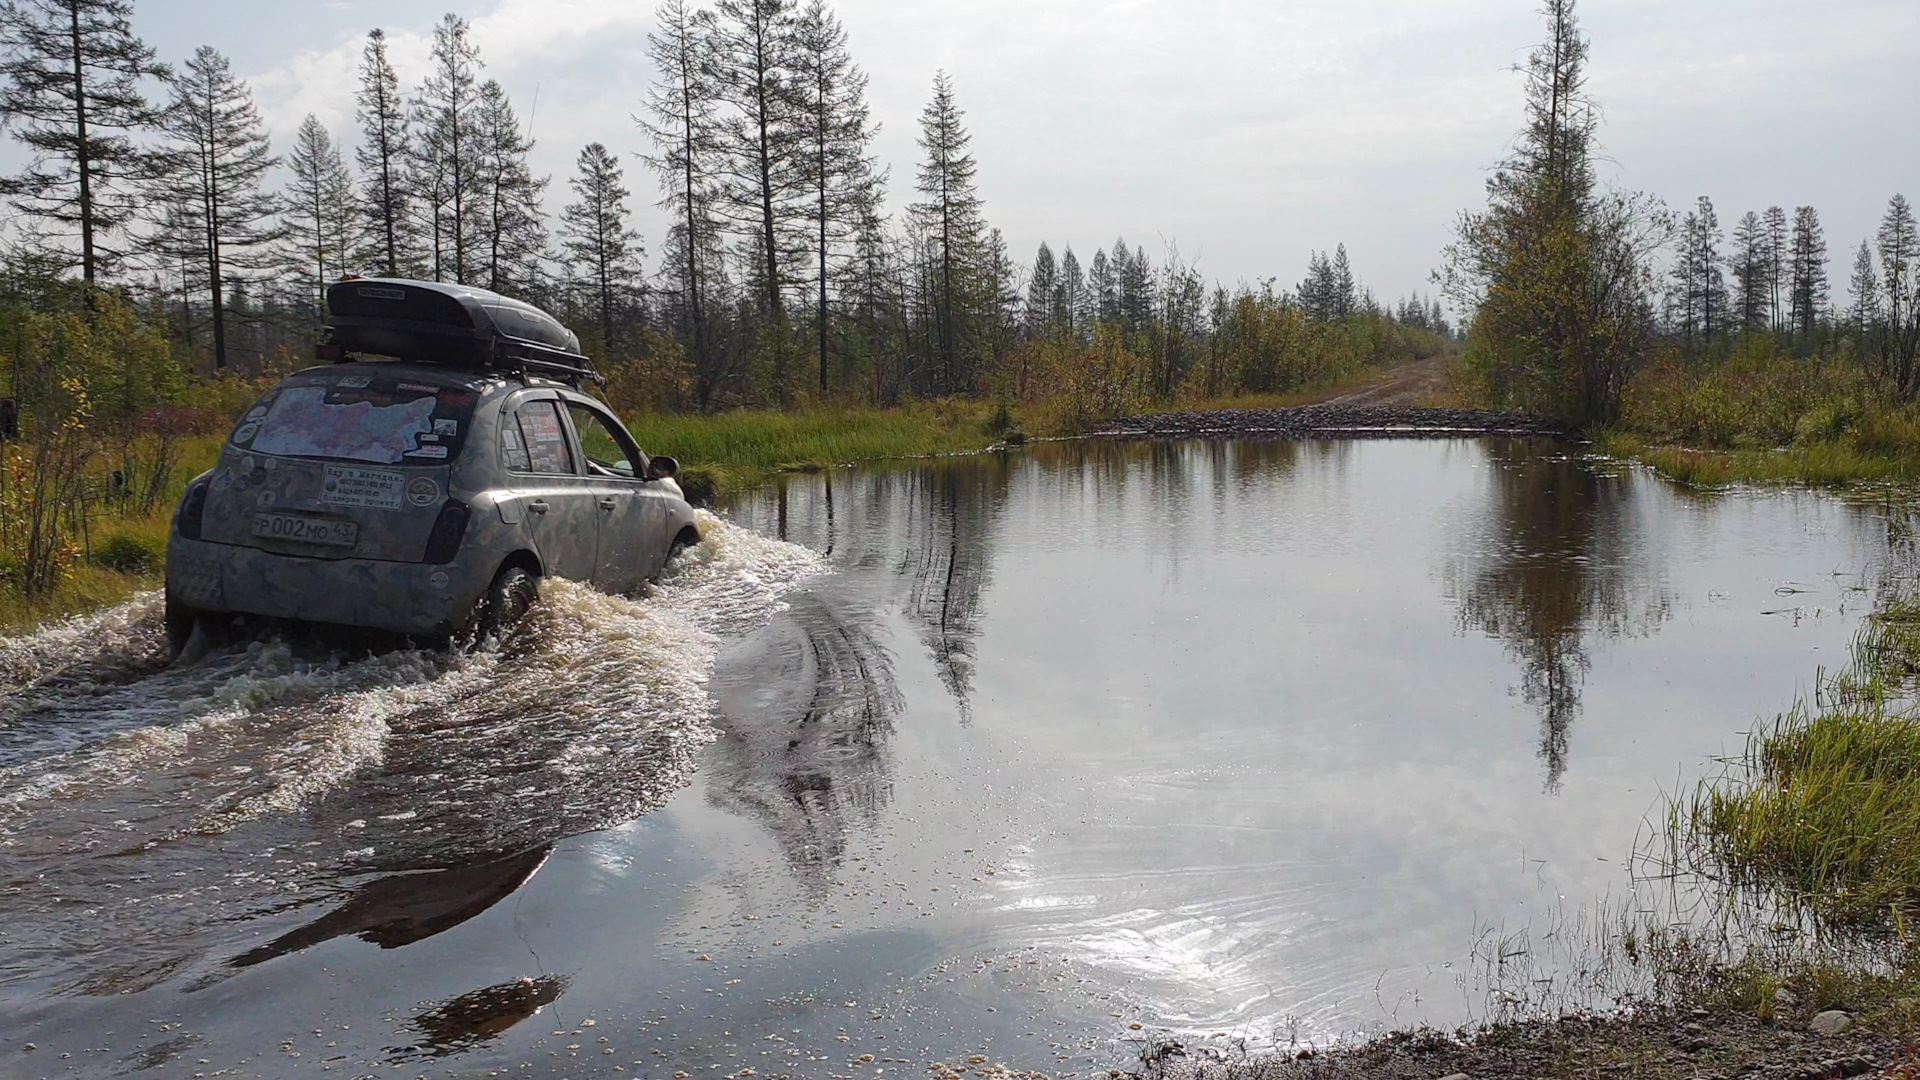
(247, 431)
(422, 491)
(355, 382)
(416, 388)
(446, 426)
(428, 452)
(258, 412)
(349, 485)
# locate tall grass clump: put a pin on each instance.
(1822, 810)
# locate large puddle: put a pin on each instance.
(992, 755)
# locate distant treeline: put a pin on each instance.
(780, 276)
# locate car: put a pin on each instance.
(424, 480)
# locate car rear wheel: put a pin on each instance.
(509, 597)
(180, 621)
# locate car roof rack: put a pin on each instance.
(433, 322)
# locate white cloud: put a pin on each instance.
(1250, 131)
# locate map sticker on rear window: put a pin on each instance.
(302, 423)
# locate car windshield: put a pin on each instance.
(358, 416)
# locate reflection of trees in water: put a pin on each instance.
(948, 562)
(1555, 559)
(808, 704)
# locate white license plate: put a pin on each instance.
(305, 530)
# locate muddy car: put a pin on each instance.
(423, 498)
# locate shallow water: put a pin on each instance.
(993, 754)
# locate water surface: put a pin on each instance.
(1000, 754)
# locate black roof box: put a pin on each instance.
(436, 323)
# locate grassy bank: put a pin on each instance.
(723, 453)
(1762, 416)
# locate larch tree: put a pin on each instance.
(71, 92)
(1808, 292)
(1752, 270)
(443, 171)
(1778, 256)
(950, 211)
(215, 166)
(602, 252)
(1554, 269)
(1898, 244)
(1073, 301)
(385, 136)
(506, 226)
(1865, 287)
(1104, 298)
(841, 177)
(682, 119)
(320, 216)
(1043, 283)
(756, 58)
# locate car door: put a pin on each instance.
(632, 513)
(549, 485)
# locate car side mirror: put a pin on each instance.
(662, 468)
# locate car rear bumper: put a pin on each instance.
(407, 598)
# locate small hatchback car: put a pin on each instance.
(419, 498)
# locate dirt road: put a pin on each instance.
(1408, 384)
(1384, 408)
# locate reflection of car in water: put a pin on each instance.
(422, 495)
(404, 908)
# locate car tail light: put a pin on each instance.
(186, 520)
(448, 529)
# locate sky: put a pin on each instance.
(1243, 133)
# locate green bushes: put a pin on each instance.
(128, 554)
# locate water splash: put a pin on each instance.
(277, 774)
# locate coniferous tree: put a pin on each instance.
(321, 220)
(1073, 303)
(443, 173)
(1809, 291)
(1898, 244)
(1778, 256)
(1133, 284)
(1043, 285)
(509, 232)
(216, 162)
(1700, 285)
(1752, 270)
(682, 119)
(841, 177)
(1106, 299)
(1555, 268)
(601, 250)
(72, 71)
(1865, 287)
(950, 214)
(1344, 299)
(385, 136)
(1316, 289)
(756, 56)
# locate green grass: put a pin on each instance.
(1822, 810)
(726, 452)
(1816, 464)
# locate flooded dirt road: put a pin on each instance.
(992, 756)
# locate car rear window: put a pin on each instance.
(356, 416)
